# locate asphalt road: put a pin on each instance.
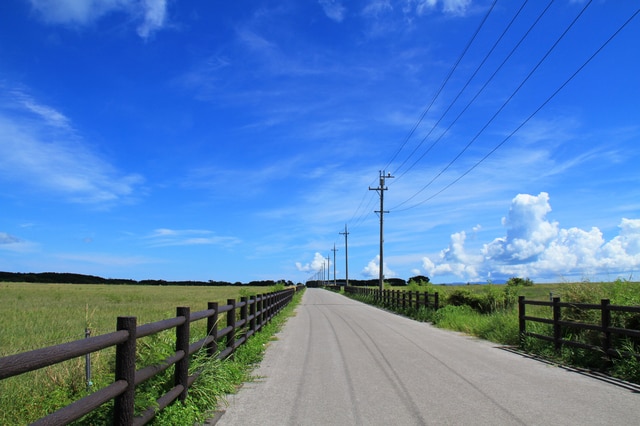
(341, 362)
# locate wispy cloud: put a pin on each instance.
(40, 148)
(106, 259)
(155, 15)
(454, 7)
(334, 9)
(14, 244)
(152, 13)
(165, 237)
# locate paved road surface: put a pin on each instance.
(340, 362)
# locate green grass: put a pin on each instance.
(39, 315)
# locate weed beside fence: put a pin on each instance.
(610, 333)
(243, 319)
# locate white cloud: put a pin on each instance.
(528, 232)
(155, 13)
(538, 248)
(454, 7)
(6, 239)
(40, 148)
(333, 9)
(107, 259)
(77, 12)
(14, 244)
(164, 237)
(454, 260)
(152, 13)
(372, 270)
(315, 265)
(378, 7)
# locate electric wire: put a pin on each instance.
(366, 211)
(452, 103)
(562, 86)
(442, 86)
(480, 91)
(495, 115)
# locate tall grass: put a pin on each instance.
(38, 315)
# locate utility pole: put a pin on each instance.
(324, 272)
(381, 190)
(346, 253)
(328, 266)
(334, 250)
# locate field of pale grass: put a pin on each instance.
(34, 316)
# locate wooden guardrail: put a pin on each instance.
(563, 327)
(397, 299)
(244, 318)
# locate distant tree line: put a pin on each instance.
(393, 282)
(71, 278)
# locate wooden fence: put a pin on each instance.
(244, 318)
(563, 329)
(397, 299)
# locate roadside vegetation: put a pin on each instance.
(490, 312)
(38, 315)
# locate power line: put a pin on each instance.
(495, 115)
(567, 81)
(444, 83)
(465, 87)
(366, 210)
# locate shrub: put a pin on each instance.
(519, 282)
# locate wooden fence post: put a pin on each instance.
(252, 313)
(212, 329)
(243, 313)
(557, 332)
(181, 373)
(126, 370)
(263, 304)
(231, 322)
(606, 323)
(522, 325)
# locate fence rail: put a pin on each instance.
(561, 327)
(397, 299)
(253, 312)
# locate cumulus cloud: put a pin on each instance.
(333, 9)
(151, 13)
(372, 270)
(318, 262)
(39, 147)
(538, 248)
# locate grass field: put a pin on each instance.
(34, 316)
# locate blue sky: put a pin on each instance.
(235, 140)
